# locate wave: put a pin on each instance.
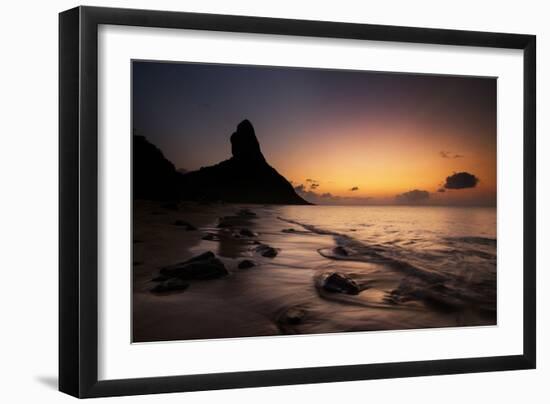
(352, 249)
(442, 289)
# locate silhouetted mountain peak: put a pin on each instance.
(244, 144)
(246, 177)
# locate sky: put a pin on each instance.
(340, 136)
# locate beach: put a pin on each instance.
(412, 267)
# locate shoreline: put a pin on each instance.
(279, 295)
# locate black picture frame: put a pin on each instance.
(78, 206)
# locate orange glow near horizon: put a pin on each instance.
(385, 161)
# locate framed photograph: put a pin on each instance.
(252, 201)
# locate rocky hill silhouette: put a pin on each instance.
(246, 177)
(154, 177)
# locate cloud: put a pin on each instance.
(414, 196)
(327, 198)
(309, 195)
(461, 180)
(313, 184)
(448, 155)
(354, 189)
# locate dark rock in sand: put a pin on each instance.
(270, 252)
(188, 226)
(228, 221)
(291, 230)
(244, 178)
(210, 269)
(170, 285)
(245, 264)
(246, 213)
(391, 299)
(208, 255)
(340, 251)
(211, 237)
(201, 267)
(340, 283)
(267, 251)
(248, 233)
(295, 315)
